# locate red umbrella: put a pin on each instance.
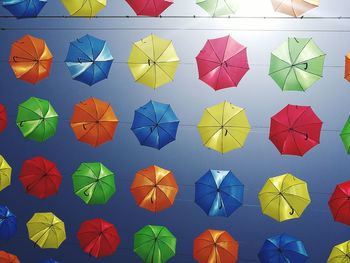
(40, 177)
(149, 7)
(222, 62)
(98, 238)
(3, 118)
(295, 130)
(339, 203)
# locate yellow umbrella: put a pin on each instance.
(46, 230)
(5, 173)
(284, 197)
(224, 127)
(340, 253)
(153, 61)
(87, 8)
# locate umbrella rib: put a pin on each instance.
(82, 51)
(19, 47)
(307, 43)
(228, 132)
(209, 41)
(285, 80)
(211, 137)
(227, 5)
(213, 117)
(166, 73)
(237, 52)
(207, 60)
(164, 50)
(81, 7)
(165, 111)
(233, 116)
(28, 109)
(279, 5)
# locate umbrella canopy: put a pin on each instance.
(87, 8)
(153, 61)
(345, 135)
(284, 197)
(8, 223)
(219, 193)
(40, 177)
(154, 188)
(49, 261)
(46, 230)
(283, 249)
(89, 59)
(339, 203)
(347, 67)
(37, 119)
(155, 124)
(222, 62)
(30, 59)
(98, 238)
(294, 7)
(219, 7)
(8, 258)
(94, 122)
(214, 246)
(224, 127)
(154, 244)
(94, 183)
(340, 253)
(149, 7)
(295, 130)
(297, 64)
(3, 118)
(24, 8)
(5, 173)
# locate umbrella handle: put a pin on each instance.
(306, 136)
(21, 124)
(84, 127)
(85, 193)
(149, 62)
(291, 212)
(226, 64)
(296, 40)
(226, 132)
(152, 199)
(79, 60)
(306, 66)
(14, 59)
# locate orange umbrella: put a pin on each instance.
(154, 188)
(94, 122)
(347, 67)
(8, 258)
(215, 246)
(294, 7)
(30, 59)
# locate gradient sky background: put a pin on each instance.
(323, 167)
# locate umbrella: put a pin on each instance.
(215, 246)
(30, 59)
(94, 122)
(222, 62)
(8, 258)
(284, 197)
(297, 64)
(24, 8)
(294, 7)
(94, 183)
(295, 130)
(154, 244)
(3, 118)
(154, 188)
(219, 193)
(49, 261)
(153, 61)
(345, 135)
(37, 119)
(86, 8)
(219, 7)
(46, 230)
(149, 7)
(98, 238)
(224, 127)
(347, 67)
(40, 177)
(283, 249)
(339, 203)
(89, 59)
(340, 253)
(5, 173)
(155, 124)
(8, 223)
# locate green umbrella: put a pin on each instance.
(219, 7)
(94, 183)
(154, 244)
(297, 64)
(37, 119)
(345, 136)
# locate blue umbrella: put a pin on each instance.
(155, 124)
(49, 261)
(89, 59)
(283, 249)
(24, 8)
(219, 193)
(8, 223)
